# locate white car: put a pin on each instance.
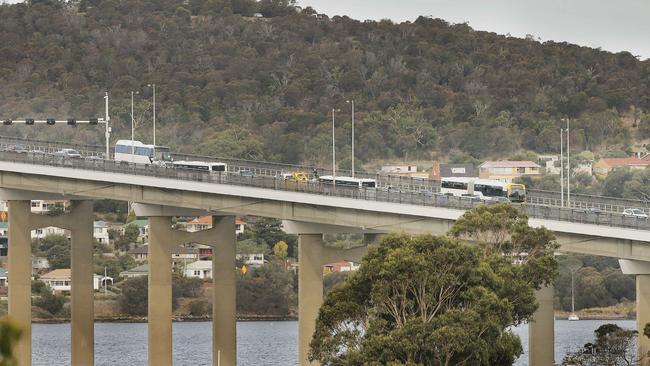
(68, 153)
(635, 212)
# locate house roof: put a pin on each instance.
(61, 273)
(143, 268)
(202, 220)
(101, 224)
(57, 274)
(176, 250)
(199, 265)
(620, 162)
(139, 222)
(509, 164)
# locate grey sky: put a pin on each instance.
(613, 25)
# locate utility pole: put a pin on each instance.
(562, 166)
(568, 164)
(352, 103)
(108, 130)
(132, 131)
(333, 149)
(154, 112)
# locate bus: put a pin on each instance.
(139, 153)
(348, 181)
(485, 189)
(201, 166)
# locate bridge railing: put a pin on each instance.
(243, 178)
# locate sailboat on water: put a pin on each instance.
(573, 316)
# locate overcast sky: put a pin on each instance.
(613, 25)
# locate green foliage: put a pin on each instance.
(131, 233)
(134, 296)
(38, 286)
(59, 256)
(267, 290)
(280, 250)
(50, 302)
(264, 88)
(199, 307)
(10, 334)
(613, 346)
(266, 232)
(114, 265)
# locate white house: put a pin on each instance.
(254, 260)
(50, 230)
(60, 279)
(39, 263)
(199, 269)
(205, 222)
(100, 232)
(43, 206)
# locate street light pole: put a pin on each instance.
(352, 103)
(568, 165)
(333, 149)
(562, 167)
(154, 112)
(108, 130)
(132, 130)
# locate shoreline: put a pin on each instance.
(126, 320)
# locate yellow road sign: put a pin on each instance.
(244, 269)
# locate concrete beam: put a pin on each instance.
(302, 227)
(19, 195)
(148, 210)
(541, 330)
(634, 267)
(224, 293)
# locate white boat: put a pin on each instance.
(573, 317)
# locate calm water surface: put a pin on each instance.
(259, 343)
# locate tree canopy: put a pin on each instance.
(431, 300)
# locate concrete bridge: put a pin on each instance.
(308, 210)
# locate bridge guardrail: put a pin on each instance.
(370, 194)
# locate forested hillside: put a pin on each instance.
(233, 84)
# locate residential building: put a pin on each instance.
(139, 271)
(179, 253)
(341, 266)
(199, 269)
(3, 277)
(4, 238)
(399, 169)
(604, 166)
(205, 222)
(60, 279)
(508, 170)
(550, 163)
(41, 233)
(39, 264)
(439, 171)
(100, 232)
(43, 206)
(254, 260)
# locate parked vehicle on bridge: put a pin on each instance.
(17, 148)
(485, 189)
(348, 181)
(139, 153)
(246, 173)
(201, 166)
(636, 213)
(68, 153)
(297, 176)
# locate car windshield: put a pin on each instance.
(637, 211)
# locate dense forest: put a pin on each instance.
(259, 80)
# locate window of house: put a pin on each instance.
(521, 170)
(35, 204)
(197, 273)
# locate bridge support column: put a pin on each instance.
(641, 270)
(541, 330)
(224, 293)
(310, 290)
(160, 291)
(20, 269)
(82, 294)
(643, 312)
(312, 256)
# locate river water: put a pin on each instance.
(259, 343)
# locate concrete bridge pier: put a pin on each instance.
(641, 270)
(541, 330)
(312, 255)
(79, 221)
(162, 239)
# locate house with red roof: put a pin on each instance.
(605, 166)
(508, 170)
